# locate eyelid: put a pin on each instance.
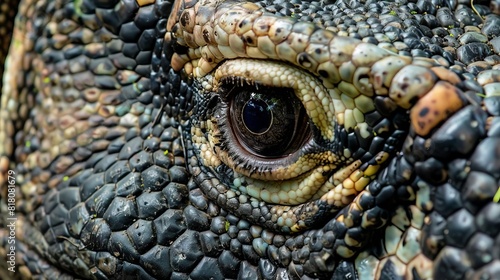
(309, 90)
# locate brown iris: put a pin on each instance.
(268, 122)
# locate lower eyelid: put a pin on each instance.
(263, 169)
(292, 192)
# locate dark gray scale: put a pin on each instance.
(185, 252)
(449, 264)
(472, 52)
(207, 268)
(121, 213)
(478, 190)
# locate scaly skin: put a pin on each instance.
(130, 132)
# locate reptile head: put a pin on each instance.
(304, 131)
(262, 139)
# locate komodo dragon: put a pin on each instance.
(214, 139)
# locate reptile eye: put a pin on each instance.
(267, 122)
(264, 122)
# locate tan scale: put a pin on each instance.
(488, 77)
(436, 106)
(404, 89)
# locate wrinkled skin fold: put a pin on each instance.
(250, 140)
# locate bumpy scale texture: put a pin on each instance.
(152, 139)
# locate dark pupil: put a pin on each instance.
(257, 116)
(268, 122)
